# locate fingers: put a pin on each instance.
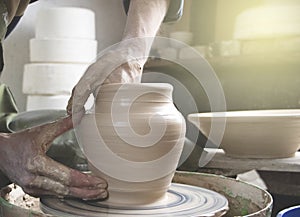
(44, 166)
(78, 179)
(89, 82)
(56, 179)
(80, 109)
(43, 186)
(46, 184)
(80, 95)
(88, 194)
(70, 104)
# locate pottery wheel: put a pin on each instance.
(181, 200)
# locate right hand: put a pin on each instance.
(122, 63)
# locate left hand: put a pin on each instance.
(23, 159)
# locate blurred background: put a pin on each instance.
(254, 55)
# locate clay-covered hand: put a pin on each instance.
(23, 160)
(121, 63)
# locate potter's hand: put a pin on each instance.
(23, 160)
(121, 63)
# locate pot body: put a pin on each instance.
(134, 139)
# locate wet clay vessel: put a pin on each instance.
(133, 139)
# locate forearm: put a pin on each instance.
(143, 21)
(144, 18)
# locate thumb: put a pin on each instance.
(46, 133)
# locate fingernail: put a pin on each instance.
(104, 194)
(102, 185)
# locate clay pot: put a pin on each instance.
(134, 140)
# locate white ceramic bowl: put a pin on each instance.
(256, 133)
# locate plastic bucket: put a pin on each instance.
(290, 212)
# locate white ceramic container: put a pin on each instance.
(39, 102)
(65, 22)
(134, 140)
(51, 78)
(61, 50)
(255, 133)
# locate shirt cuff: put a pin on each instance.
(174, 12)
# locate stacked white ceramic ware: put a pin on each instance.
(63, 48)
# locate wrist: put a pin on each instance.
(143, 21)
(144, 18)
